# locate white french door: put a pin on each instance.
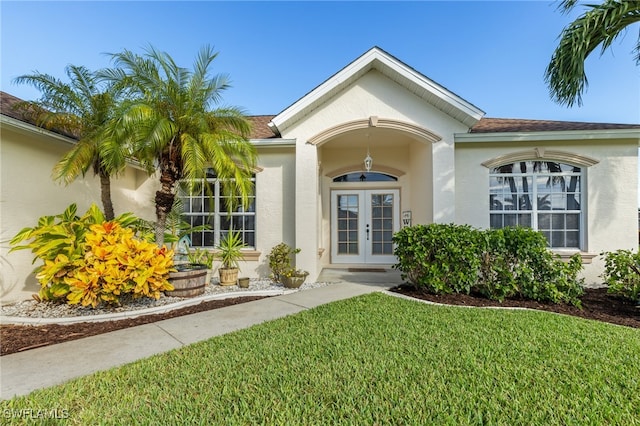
(362, 225)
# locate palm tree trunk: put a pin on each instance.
(105, 194)
(164, 202)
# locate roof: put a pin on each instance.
(513, 125)
(7, 102)
(261, 129)
(396, 70)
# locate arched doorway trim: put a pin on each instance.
(373, 121)
(358, 167)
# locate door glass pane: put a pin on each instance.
(347, 214)
(382, 226)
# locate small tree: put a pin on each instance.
(177, 133)
(87, 109)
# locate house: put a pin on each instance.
(431, 156)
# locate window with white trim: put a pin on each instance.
(208, 206)
(543, 195)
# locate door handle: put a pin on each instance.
(367, 232)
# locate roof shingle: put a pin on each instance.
(508, 125)
(261, 130)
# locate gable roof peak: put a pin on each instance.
(391, 67)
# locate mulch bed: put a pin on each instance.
(596, 305)
(18, 338)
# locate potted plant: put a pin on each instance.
(293, 278)
(280, 260)
(230, 253)
(202, 257)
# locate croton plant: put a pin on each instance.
(88, 261)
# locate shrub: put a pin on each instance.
(622, 273)
(517, 262)
(88, 260)
(280, 258)
(439, 258)
(499, 263)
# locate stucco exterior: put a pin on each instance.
(27, 192)
(611, 213)
(435, 148)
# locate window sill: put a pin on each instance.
(565, 255)
(251, 255)
(247, 255)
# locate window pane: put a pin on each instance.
(573, 239)
(510, 220)
(544, 221)
(495, 221)
(365, 177)
(557, 222)
(557, 239)
(573, 221)
(208, 239)
(524, 220)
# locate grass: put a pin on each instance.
(375, 359)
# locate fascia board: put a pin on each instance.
(569, 135)
(324, 88)
(434, 88)
(273, 143)
(30, 129)
(23, 127)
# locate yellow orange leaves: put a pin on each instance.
(114, 263)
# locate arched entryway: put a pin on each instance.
(361, 210)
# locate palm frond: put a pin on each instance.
(599, 26)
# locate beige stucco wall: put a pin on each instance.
(371, 95)
(612, 200)
(27, 192)
(275, 206)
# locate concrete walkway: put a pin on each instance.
(22, 373)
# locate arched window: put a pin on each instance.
(365, 177)
(543, 195)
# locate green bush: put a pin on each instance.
(87, 260)
(439, 258)
(499, 263)
(517, 263)
(280, 258)
(622, 273)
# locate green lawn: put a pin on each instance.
(375, 359)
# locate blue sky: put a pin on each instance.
(493, 54)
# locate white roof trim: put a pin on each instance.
(25, 127)
(378, 59)
(272, 142)
(566, 135)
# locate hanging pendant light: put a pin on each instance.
(368, 162)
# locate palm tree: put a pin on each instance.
(599, 25)
(174, 129)
(85, 109)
